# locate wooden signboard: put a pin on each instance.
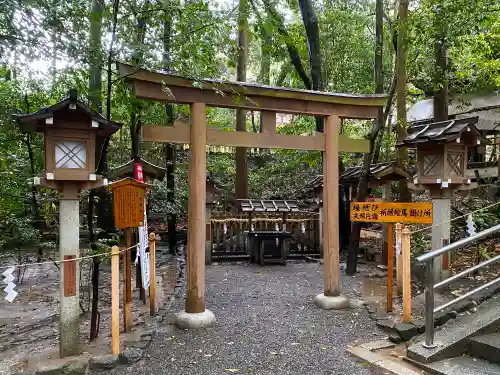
(128, 203)
(391, 212)
(69, 276)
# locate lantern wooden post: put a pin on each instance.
(331, 298)
(195, 314)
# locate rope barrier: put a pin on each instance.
(455, 218)
(107, 254)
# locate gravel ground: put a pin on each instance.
(266, 324)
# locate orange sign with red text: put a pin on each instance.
(391, 212)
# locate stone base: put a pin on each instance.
(332, 303)
(186, 320)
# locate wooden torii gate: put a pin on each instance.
(268, 100)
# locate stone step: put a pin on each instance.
(486, 347)
(464, 365)
(452, 339)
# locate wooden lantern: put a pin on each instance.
(73, 135)
(442, 151)
(128, 202)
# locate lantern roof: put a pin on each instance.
(36, 121)
(442, 131)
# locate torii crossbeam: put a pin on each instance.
(268, 100)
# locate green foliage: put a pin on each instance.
(45, 50)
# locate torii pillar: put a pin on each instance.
(331, 298)
(195, 315)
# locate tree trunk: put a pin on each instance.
(313, 46)
(170, 152)
(291, 48)
(34, 202)
(440, 101)
(95, 87)
(352, 258)
(387, 111)
(265, 66)
(241, 76)
(401, 133)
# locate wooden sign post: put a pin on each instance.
(406, 238)
(152, 274)
(128, 205)
(394, 212)
(399, 260)
(115, 300)
(390, 265)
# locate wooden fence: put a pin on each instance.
(229, 233)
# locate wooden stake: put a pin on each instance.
(390, 265)
(127, 284)
(399, 260)
(152, 274)
(406, 238)
(195, 298)
(331, 207)
(115, 300)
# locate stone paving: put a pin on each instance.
(266, 324)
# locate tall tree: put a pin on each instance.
(241, 76)
(95, 88)
(170, 151)
(440, 101)
(401, 80)
(314, 51)
(376, 126)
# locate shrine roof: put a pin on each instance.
(257, 205)
(387, 171)
(149, 169)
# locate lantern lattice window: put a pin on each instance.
(456, 164)
(70, 154)
(432, 165)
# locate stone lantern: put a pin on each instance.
(442, 153)
(441, 168)
(74, 135)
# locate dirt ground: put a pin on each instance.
(29, 325)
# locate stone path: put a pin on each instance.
(267, 324)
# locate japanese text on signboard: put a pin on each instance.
(385, 212)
